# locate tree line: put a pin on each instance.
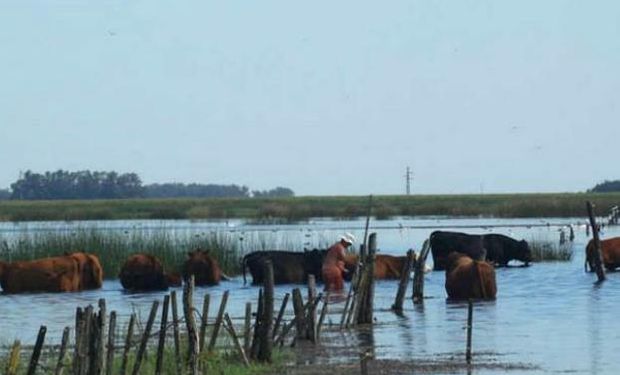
(606, 187)
(113, 185)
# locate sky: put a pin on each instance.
(324, 97)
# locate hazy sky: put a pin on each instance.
(325, 97)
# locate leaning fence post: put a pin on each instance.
(228, 325)
(404, 281)
(311, 317)
(322, 317)
(470, 313)
(63, 351)
(190, 322)
(132, 322)
(162, 336)
(598, 258)
(218, 320)
(145, 338)
(276, 326)
(203, 321)
(418, 273)
(36, 353)
(13, 362)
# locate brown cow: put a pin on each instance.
(610, 250)
(145, 272)
(55, 274)
(91, 272)
(204, 267)
(467, 278)
(386, 266)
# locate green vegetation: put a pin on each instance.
(301, 208)
(113, 247)
(550, 251)
(606, 187)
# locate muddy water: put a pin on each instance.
(549, 315)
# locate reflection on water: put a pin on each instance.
(550, 314)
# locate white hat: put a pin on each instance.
(348, 237)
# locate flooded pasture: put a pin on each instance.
(550, 317)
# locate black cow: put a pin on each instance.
(288, 266)
(495, 248)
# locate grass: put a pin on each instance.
(113, 247)
(301, 208)
(550, 251)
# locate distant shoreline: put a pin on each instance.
(295, 209)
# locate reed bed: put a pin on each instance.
(550, 251)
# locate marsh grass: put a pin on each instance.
(550, 251)
(113, 247)
(297, 209)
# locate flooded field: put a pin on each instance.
(549, 317)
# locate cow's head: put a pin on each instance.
(313, 261)
(524, 253)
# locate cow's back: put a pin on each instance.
(443, 243)
(55, 274)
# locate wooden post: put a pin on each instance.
(364, 358)
(257, 322)
(218, 321)
(231, 330)
(346, 308)
(311, 318)
(247, 327)
(418, 273)
(145, 338)
(83, 345)
(100, 322)
(175, 327)
(404, 282)
(598, 258)
(13, 363)
(162, 336)
(364, 311)
(280, 314)
(128, 338)
(470, 313)
(322, 318)
(203, 321)
(190, 323)
(63, 350)
(36, 353)
(298, 307)
(266, 338)
(79, 313)
(111, 335)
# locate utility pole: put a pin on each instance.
(408, 180)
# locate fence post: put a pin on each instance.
(162, 336)
(311, 318)
(298, 307)
(36, 353)
(418, 273)
(470, 313)
(111, 335)
(266, 339)
(63, 351)
(175, 327)
(190, 323)
(218, 320)
(247, 327)
(366, 287)
(132, 322)
(145, 338)
(203, 322)
(598, 258)
(13, 362)
(280, 314)
(404, 282)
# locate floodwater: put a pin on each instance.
(550, 315)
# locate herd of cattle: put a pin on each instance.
(468, 260)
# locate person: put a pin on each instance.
(334, 263)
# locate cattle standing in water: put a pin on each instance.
(610, 251)
(467, 278)
(204, 267)
(289, 267)
(67, 273)
(495, 248)
(143, 272)
(386, 266)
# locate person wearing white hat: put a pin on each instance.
(334, 263)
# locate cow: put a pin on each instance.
(610, 251)
(54, 274)
(468, 278)
(204, 267)
(386, 266)
(288, 266)
(91, 272)
(495, 248)
(144, 272)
